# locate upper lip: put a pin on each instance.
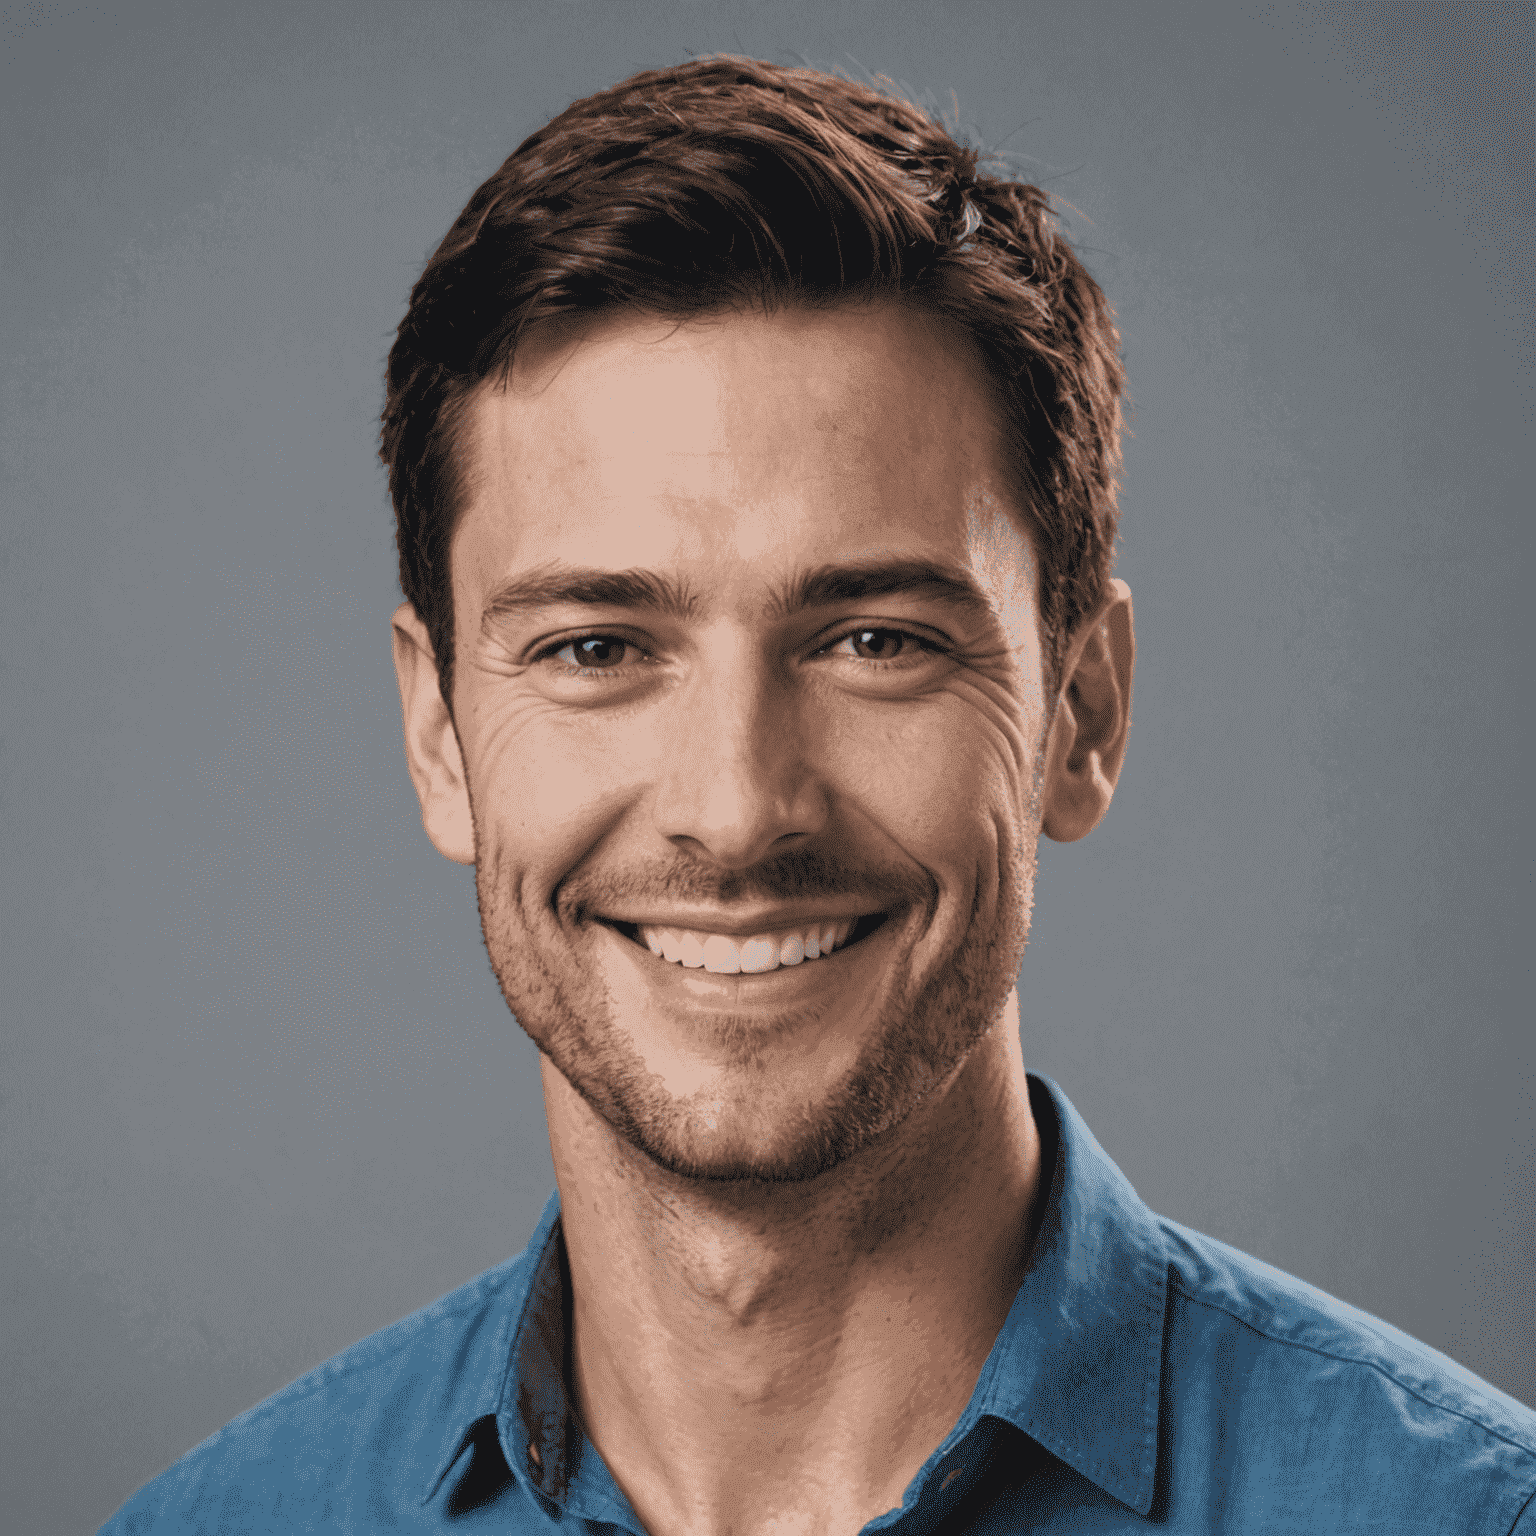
(743, 925)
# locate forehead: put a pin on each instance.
(737, 446)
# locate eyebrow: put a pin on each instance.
(588, 586)
(852, 582)
(822, 587)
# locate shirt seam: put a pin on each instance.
(1520, 1513)
(1176, 1283)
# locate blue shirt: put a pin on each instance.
(1146, 1377)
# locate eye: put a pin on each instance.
(596, 653)
(881, 644)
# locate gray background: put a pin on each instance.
(260, 1093)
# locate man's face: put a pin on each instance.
(747, 651)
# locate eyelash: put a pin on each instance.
(576, 670)
(922, 642)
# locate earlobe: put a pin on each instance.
(432, 751)
(1086, 745)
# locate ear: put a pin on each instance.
(1086, 745)
(431, 744)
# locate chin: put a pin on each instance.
(737, 1130)
(746, 1123)
(737, 1144)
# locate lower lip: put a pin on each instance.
(771, 990)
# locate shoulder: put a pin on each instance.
(1307, 1390)
(363, 1427)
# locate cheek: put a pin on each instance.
(551, 783)
(938, 778)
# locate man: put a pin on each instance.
(753, 456)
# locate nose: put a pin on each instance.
(740, 782)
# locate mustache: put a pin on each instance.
(797, 875)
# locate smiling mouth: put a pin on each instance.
(725, 955)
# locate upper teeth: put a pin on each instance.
(763, 952)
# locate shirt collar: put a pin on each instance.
(1077, 1365)
(522, 1386)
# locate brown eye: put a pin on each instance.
(595, 651)
(878, 644)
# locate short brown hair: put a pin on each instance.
(723, 183)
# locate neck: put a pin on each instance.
(750, 1354)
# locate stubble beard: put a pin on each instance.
(925, 1033)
